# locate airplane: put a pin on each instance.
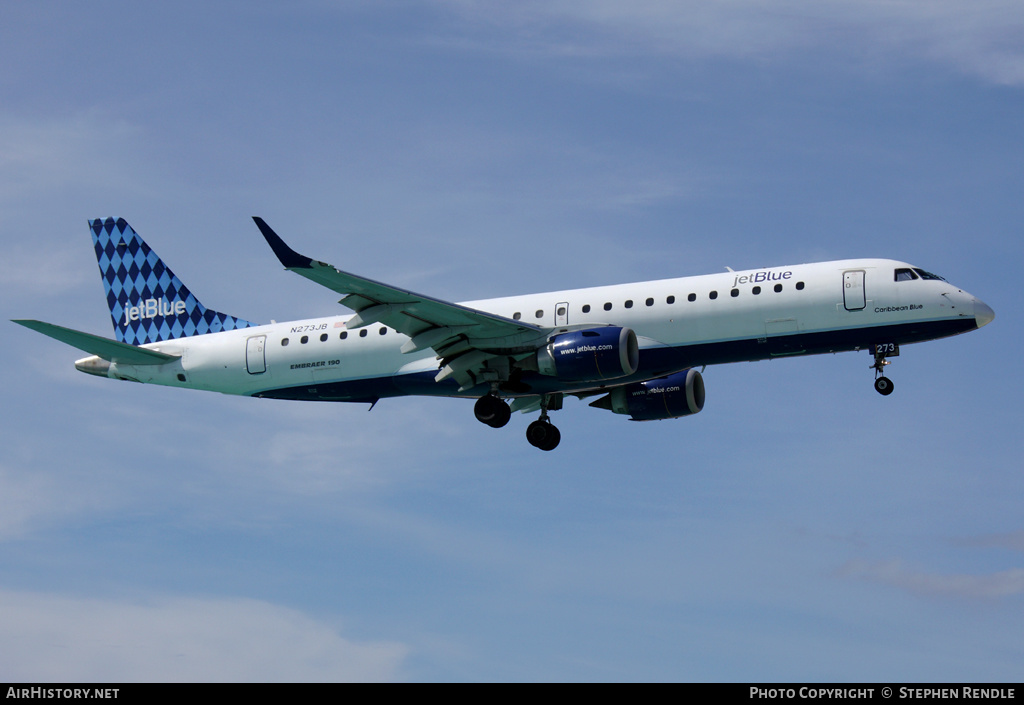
(635, 346)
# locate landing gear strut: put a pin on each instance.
(883, 385)
(542, 433)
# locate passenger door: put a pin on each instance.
(561, 314)
(854, 298)
(255, 357)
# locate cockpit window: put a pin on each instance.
(905, 275)
(928, 275)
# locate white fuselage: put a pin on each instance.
(679, 323)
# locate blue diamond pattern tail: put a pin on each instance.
(147, 302)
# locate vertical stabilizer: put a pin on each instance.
(147, 302)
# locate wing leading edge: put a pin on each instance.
(468, 341)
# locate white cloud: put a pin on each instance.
(42, 163)
(309, 449)
(1013, 540)
(993, 585)
(21, 497)
(53, 638)
(40, 155)
(33, 497)
(983, 38)
(21, 274)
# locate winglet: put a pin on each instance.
(289, 257)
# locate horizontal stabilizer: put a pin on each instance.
(103, 347)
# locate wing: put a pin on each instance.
(470, 342)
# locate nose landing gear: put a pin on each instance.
(884, 385)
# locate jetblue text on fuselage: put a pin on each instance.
(151, 308)
(758, 277)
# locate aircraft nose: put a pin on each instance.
(983, 313)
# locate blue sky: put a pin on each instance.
(801, 528)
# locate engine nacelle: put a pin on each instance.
(590, 355)
(679, 394)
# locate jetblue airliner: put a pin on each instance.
(636, 347)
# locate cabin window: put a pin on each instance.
(516, 316)
(586, 308)
(343, 335)
(691, 297)
(756, 290)
(362, 333)
(323, 337)
(734, 293)
(304, 339)
(670, 300)
(608, 307)
(649, 302)
(778, 288)
(799, 286)
(713, 295)
(629, 303)
(284, 342)
(540, 313)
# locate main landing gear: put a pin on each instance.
(883, 385)
(490, 409)
(543, 434)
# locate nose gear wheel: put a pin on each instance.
(883, 385)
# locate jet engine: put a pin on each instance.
(679, 394)
(590, 355)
